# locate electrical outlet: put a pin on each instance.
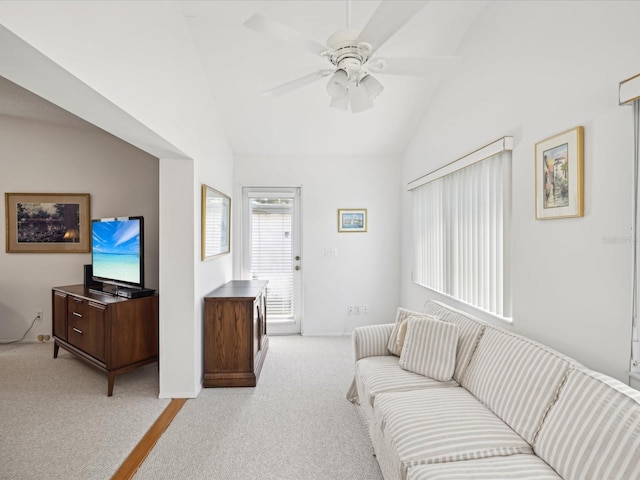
(350, 310)
(40, 315)
(357, 310)
(365, 309)
(47, 338)
(41, 338)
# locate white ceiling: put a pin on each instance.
(241, 63)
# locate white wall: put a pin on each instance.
(366, 269)
(131, 68)
(531, 70)
(44, 158)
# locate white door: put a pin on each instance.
(271, 251)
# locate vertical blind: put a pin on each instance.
(271, 250)
(629, 94)
(461, 234)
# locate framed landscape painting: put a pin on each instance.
(559, 175)
(352, 220)
(47, 222)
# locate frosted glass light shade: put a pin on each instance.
(337, 86)
(372, 87)
(358, 99)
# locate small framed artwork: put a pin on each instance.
(352, 220)
(48, 222)
(216, 220)
(559, 175)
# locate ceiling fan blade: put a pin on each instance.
(416, 67)
(262, 24)
(390, 16)
(296, 83)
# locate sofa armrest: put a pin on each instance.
(371, 340)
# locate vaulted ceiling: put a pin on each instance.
(241, 63)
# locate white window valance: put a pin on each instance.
(500, 145)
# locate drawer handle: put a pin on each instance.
(77, 314)
(77, 331)
(77, 300)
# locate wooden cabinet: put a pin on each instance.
(114, 334)
(235, 334)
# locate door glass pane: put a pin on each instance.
(271, 246)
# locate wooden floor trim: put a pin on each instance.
(131, 464)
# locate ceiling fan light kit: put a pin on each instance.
(358, 100)
(338, 84)
(351, 54)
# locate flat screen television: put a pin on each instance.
(117, 249)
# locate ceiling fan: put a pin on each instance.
(350, 51)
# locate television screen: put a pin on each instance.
(117, 249)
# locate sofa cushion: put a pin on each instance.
(471, 329)
(516, 378)
(376, 375)
(513, 467)
(430, 348)
(592, 432)
(437, 425)
(383, 374)
(401, 315)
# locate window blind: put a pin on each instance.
(462, 234)
(629, 94)
(272, 252)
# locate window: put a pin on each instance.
(461, 232)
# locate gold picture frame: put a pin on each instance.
(352, 220)
(48, 222)
(559, 175)
(216, 222)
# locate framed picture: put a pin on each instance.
(48, 222)
(216, 220)
(559, 175)
(352, 220)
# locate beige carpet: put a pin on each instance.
(56, 421)
(296, 424)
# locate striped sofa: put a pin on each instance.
(513, 409)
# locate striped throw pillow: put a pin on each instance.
(401, 315)
(402, 334)
(430, 348)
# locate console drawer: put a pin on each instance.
(85, 322)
